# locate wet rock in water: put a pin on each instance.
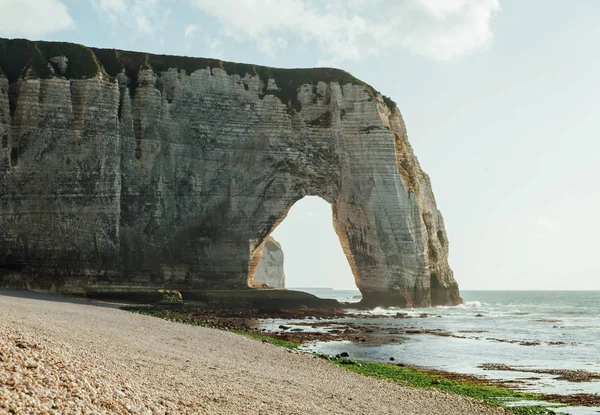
(392, 359)
(528, 343)
(297, 329)
(577, 399)
(423, 315)
(479, 315)
(569, 375)
(344, 354)
(282, 327)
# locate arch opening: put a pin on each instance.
(311, 254)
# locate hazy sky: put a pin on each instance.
(501, 99)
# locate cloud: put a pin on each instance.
(549, 224)
(215, 47)
(33, 18)
(272, 46)
(355, 29)
(144, 16)
(113, 6)
(190, 31)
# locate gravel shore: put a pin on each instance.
(70, 356)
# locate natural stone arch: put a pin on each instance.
(177, 169)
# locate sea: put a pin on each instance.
(538, 333)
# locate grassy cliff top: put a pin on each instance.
(21, 58)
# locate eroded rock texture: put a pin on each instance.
(127, 169)
(269, 271)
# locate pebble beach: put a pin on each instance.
(71, 356)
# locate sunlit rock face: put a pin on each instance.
(125, 169)
(269, 271)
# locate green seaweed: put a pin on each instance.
(491, 395)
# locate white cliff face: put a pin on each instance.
(269, 271)
(172, 177)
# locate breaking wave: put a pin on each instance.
(466, 304)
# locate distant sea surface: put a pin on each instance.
(540, 330)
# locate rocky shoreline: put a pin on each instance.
(307, 325)
(324, 324)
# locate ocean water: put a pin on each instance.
(547, 330)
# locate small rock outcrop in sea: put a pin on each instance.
(269, 271)
(126, 169)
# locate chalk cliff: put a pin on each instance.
(269, 270)
(126, 169)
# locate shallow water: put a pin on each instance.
(565, 325)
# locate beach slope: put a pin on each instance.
(58, 353)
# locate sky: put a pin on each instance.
(501, 99)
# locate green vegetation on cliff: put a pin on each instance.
(82, 61)
(25, 58)
(19, 56)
